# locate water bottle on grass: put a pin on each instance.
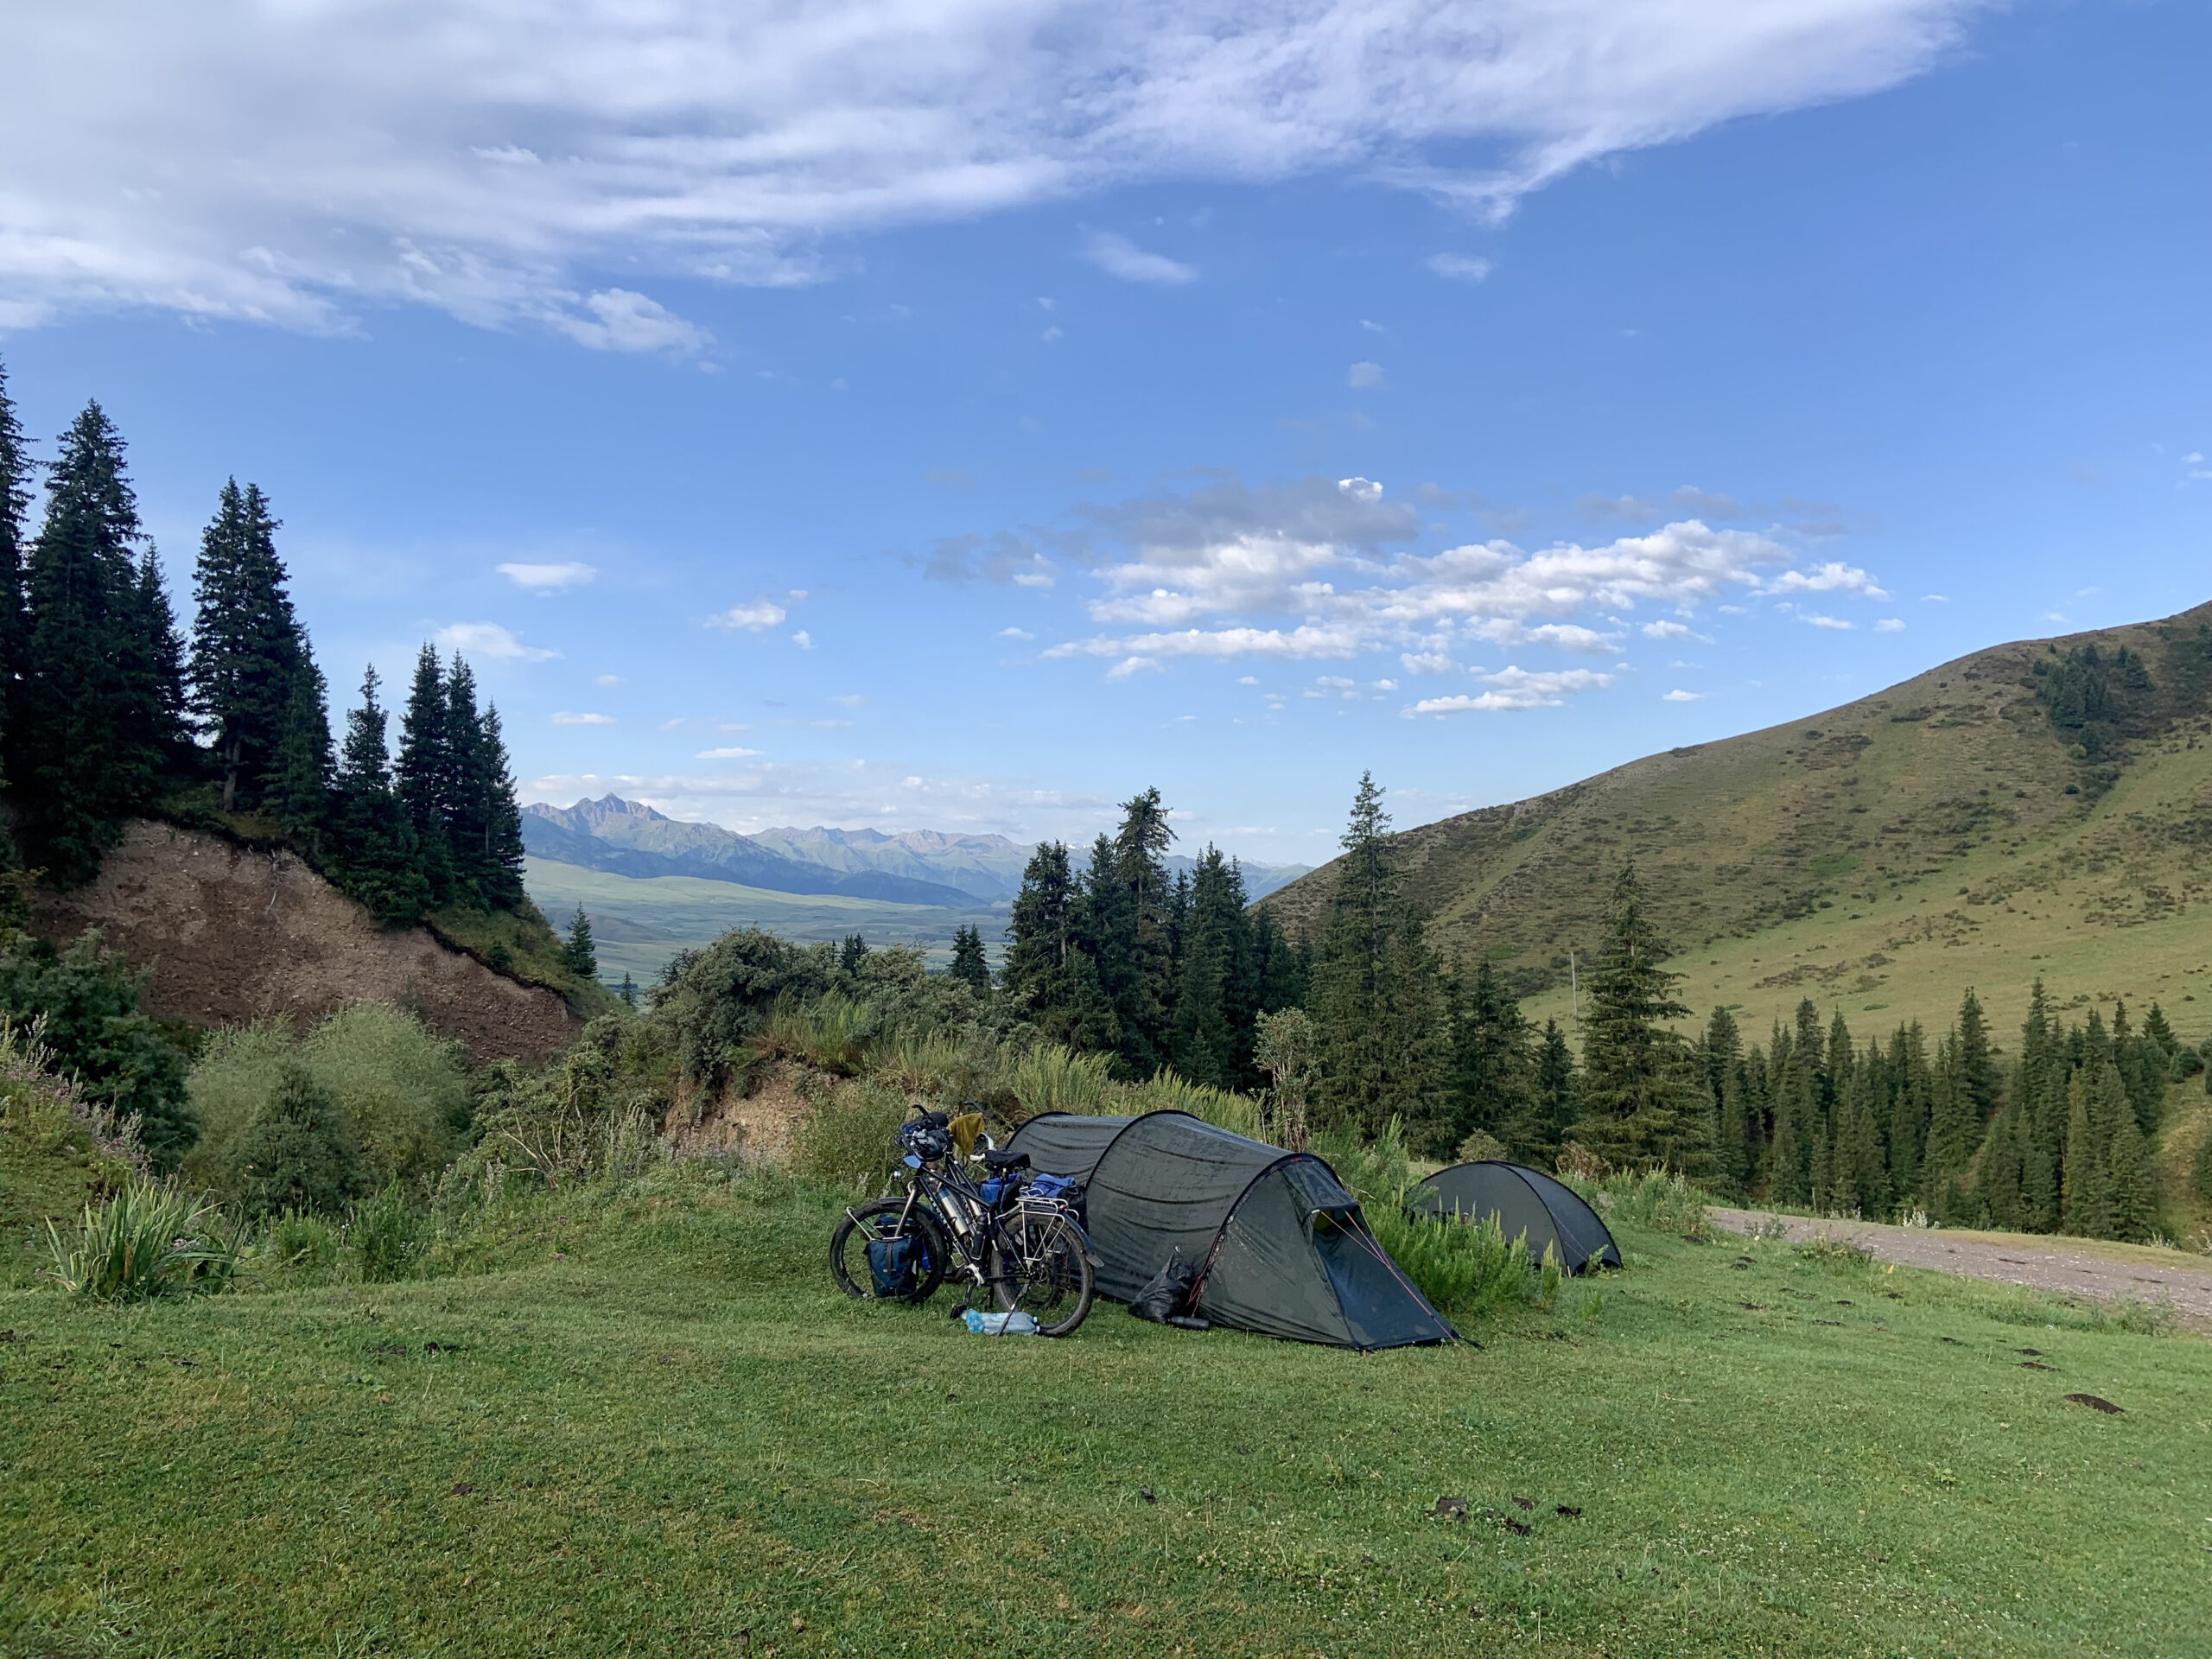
(1016, 1324)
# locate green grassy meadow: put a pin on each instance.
(640, 922)
(643, 1424)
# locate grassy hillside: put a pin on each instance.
(639, 924)
(645, 1424)
(1879, 857)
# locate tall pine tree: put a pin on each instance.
(1377, 997)
(96, 721)
(248, 652)
(1641, 1099)
(377, 858)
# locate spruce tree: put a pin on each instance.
(95, 724)
(423, 776)
(500, 871)
(2132, 1207)
(970, 965)
(1041, 935)
(628, 990)
(296, 788)
(1377, 998)
(1132, 909)
(852, 956)
(377, 858)
(1491, 1086)
(1210, 1039)
(248, 649)
(1640, 1101)
(579, 956)
(2087, 1197)
(1558, 1096)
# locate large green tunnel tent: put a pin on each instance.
(1525, 1200)
(1279, 1246)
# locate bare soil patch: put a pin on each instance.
(760, 1125)
(229, 934)
(2089, 1269)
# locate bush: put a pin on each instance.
(402, 1093)
(299, 1153)
(85, 1000)
(1467, 1269)
(386, 1236)
(1046, 1077)
(1651, 1199)
(151, 1239)
(298, 1240)
(851, 1137)
(591, 1112)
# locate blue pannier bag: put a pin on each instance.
(891, 1263)
(995, 1188)
(1066, 1188)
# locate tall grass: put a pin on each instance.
(1467, 1270)
(1050, 1079)
(831, 1032)
(1164, 1091)
(151, 1239)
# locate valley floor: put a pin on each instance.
(2071, 1266)
(643, 1423)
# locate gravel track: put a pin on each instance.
(2069, 1267)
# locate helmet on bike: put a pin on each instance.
(925, 1140)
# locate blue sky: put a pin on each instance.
(963, 417)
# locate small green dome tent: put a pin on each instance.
(1525, 1200)
(1278, 1245)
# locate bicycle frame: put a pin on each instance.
(971, 1226)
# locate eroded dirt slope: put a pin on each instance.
(232, 934)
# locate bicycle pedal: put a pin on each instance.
(959, 1314)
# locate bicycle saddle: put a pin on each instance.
(995, 1159)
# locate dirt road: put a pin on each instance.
(2081, 1267)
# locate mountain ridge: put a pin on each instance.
(2011, 811)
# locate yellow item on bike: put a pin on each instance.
(963, 1129)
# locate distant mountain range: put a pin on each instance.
(919, 866)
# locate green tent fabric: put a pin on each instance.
(1279, 1246)
(1525, 1200)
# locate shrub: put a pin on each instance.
(592, 1110)
(386, 1236)
(298, 1240)
(829, 1033)
(151, 1239)
(1466, 1269)
(1651, 1199)
(852, 1135)
(1166, 1091)
(713, 999)
(403, 1093)
(299, 1153)
(1046, 1077)
(85, 1000)
(46, 1112)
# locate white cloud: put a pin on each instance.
(1682, 697)
(490, 640)
(1130, 665)
(1516, 689)
(1306, 572)
(756, 617)
(728, 754)
(1458, 267)
(1890, 625)
(585, 720)
(1834, 624)
(1361, 489)
(1117, 256)
(1248, 679)
(1665, 630)
(1365, 377)
(851, 700)
(299, 164)
(616, 319)
(548, 578)
(1016, 633)
(2194, 468)
(1934, 599)
(1833, 577)
(1426, 662)
(607, 681)
(803, 640)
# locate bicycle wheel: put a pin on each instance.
(1040, 1266)
(867, 1261)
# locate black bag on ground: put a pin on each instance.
(1165, 1293)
